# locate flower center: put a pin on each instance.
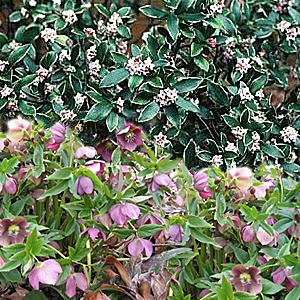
(13, 230)
(129, 137)
(245, 278)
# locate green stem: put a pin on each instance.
(89, 261)
(60, 210)
(198, 258)
(55, 201)
(211, 254)
(39, 210)
(203, 252)
(47, 209)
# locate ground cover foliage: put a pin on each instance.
(95, 203)
(213, 83)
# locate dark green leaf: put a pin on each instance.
(114, 77)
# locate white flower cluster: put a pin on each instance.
(91, 52)
(120, 105)
(3, 64)
(69, 16)
(290, 32)
(243, 64)
(217, 161)
(122, 46)
(166, 97)
(113, 23)
(56, 2)
(32, 3)
(258, 61)
(59, 100)
(217, 7)
(260, 117)
(289, 134)
(231, 147)
(260, 94)
(282, 5)
(136, 66)
(6, 91)
(48, 88)
(161, 140)
(67, 115)
(14, 45)
(49, 34)
(78, 128)
(239, 132)
(170, 58)
(64, 55)
(245, 94)
(256, 140)
(41, 74)
(94, 67)
(12, 108)
(79, 100)
(90, 32)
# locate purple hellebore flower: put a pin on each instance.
(130, 137)
(290, 230)
(282, 274)
(248, 234)
(261, 190)
(136, 247)
(93, 233)
(46, 272)
(200, 183)
(175, 232)
(58, 132)
(120, 213)
(106, 149)
(13, 231)
(246, 279)
(74, 279)
(96, 166)
(265, 239)
(84, 185)
(236, 221)
(240, 178)
(161, 180)
(148, 218)
(85, 152)
(105, 220)
(10, 186)
(51, 145)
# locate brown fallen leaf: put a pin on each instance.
(160, 284)
(19, 294)
(145, 287)
(96, 296)
(115, 288)
(109, 274)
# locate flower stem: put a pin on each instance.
(60, 210)
(198, 258)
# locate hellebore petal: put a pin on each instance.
(84, 185)
(19, 129)
(71, 286)
(200, 180)
(136, 247)
(106, 149)
(130, 210)
(58, 132)
(240, 178)
(85, 152)
(248, 234)
(160, 181)
(116, 215)
(130, 137)
(10, 186)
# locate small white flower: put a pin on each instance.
(14, 45)
(6, 91)
(256, 146)
(69, 16)
(136, 66)
(239, 132)
(255, 136)
(67, 115)
(243, 65)
(64, 55)
(289, 134)
(56, 2)
(231, 147)
(245, 94)
(41, 74)
(166, 97)
(79, 100)
(91, 52)
(260, 94)
(90, 32)
(48, 88)
(161, 140)
(292, 33)
(217, 161)
(258, 60)
(293, 156)
(24, 12)
(260, 118)
(122, 46)
(59, 100)
(94, 67)
(230, 42)
(283, 25)
(3, 64)
(49, 34)
(32, 3)
(78, 128)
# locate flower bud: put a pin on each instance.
(217, 180)
(6, 143)
(252, 191)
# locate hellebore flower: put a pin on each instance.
(282, 274)
(46, 272)
(93, 233)
(58, 132)
(120, 213)
(51, 145)
(248, 234)
(246, 279)
(130, 137)
(13, 231)
(240, 178)
(148, 219)
(85, 152)
(105, 220)
(136, 247)
(200, 183)
(265, 239)
(19, 129)
(96, 166)
(84, 185)
(261, 190)
(290, 230)
(74, 279)
(24, 170)
(106, 149)
(236, 222)
(10, 186)
(175, 232)
(161, 180)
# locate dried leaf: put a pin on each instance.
(160, 284)
(96, 296)
(109, 274)
(116, 288)
(19, 294)
(133, 266)
(145, 286)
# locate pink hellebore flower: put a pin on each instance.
(200, 183)
(261, 190)
(10, 186)
(58, 132)
(46, 272)
(290, 230)
(282, 274)
(148, 218)
(175, 232)
(51, 145)
(161, 180)
(136, 247)
(74, 279)
(240, 178)
(130, 137)
(96, 166)
(93, 233)
(248, 234)
(106, 149)
(236, 221)
(24, 170)
(85, 152)
(13, 231)
(246, 279)
(19, 129)
(84, 185)
(265, 239)
(105, 220)
(120, 213)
